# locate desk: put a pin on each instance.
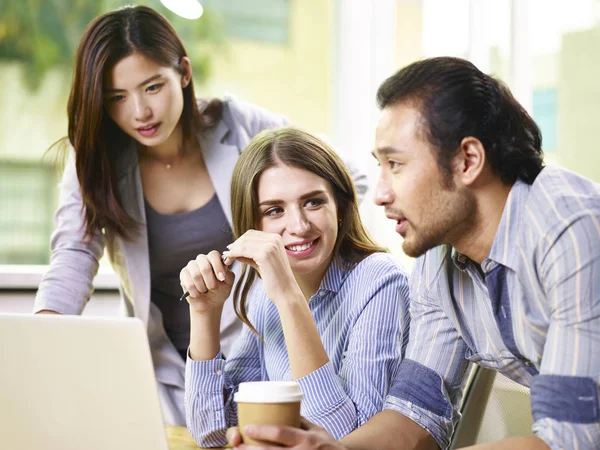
(179, 439)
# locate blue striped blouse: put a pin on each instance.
(362, 317)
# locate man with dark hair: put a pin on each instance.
(508, 268)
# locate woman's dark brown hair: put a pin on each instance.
(292, 147)
(95, 137)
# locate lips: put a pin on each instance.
(304, 248)
(401, 225)
(148, 130)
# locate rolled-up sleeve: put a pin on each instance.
(565, 395)
(429, 383)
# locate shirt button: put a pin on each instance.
(527, 363)
(219, 372)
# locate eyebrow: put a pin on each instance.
(303, 197)
(385, 151)
(152, 78)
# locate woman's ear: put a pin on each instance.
(186, 67)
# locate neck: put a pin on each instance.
(169, 150)
(476, 242)
(309, 283)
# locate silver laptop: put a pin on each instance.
(71, 382)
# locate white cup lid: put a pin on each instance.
(268, 392)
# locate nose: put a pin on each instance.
(142, 111)
(298, 223)
(383, 192)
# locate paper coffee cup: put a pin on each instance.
(267, 403)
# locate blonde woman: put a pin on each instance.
(325, 311)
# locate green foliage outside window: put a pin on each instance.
(44, 34)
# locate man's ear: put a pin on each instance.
(186, 65)
(469, 161)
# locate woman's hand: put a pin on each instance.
(266, 253)
(208, 281)
(309, 437)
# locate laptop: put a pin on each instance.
(72, 383)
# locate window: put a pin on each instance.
(258, 20)
(27, 201)
(544, 114)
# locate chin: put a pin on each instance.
(306, 267)
(415, 249)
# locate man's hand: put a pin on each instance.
(310, 437)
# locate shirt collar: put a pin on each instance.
(335, 276)
(460, 261)
(510, 227)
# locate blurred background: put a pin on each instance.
(319, 62)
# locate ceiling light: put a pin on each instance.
(188, 9)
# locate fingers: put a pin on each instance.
(217, 266)
(278, 434)
(306, 424)
(204, 274)
(187, 282)
(255, 248)
(247, 261)
(234, 436)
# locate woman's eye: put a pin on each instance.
(314, 202)
(394, 164)
(273, 212)
(116, 98)
(154, 87)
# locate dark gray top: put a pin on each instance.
(173, 240)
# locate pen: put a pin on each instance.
(186, 294)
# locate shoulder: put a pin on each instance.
(375, 271)
(251, 118)
(428, 270)
(557, 199)
(379, 281)
(381, 263)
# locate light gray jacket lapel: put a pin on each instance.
(220, 159)
(136, 274)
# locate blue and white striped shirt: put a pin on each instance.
(362, 317)
(534, 316)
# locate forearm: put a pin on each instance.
(528, 442)
(205, 334)
(390, 430)
(305, 349)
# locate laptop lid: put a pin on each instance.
(72, 382)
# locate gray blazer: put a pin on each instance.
(67, 285)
